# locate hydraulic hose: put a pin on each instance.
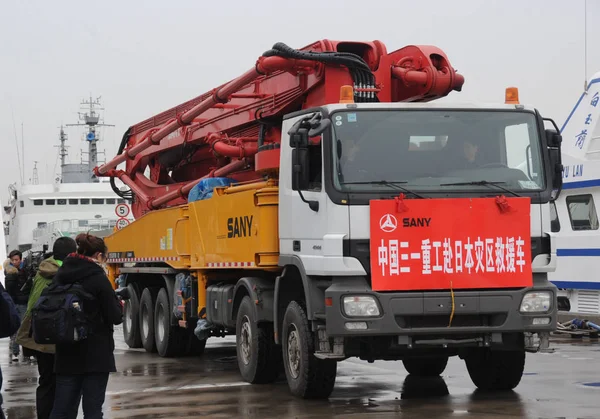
(128, 195)
(361, 73)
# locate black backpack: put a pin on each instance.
(59, 314)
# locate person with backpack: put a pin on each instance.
(84, 359)
(9, 324)
(44, 353)
(18, 287)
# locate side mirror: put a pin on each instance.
(318, 126)
(554, 142)
(299, 139)
(557, 169)
(300, 166)
(311, 125)
(299, 132)
(123, 293)
(553, 138)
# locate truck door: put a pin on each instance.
(311, 228)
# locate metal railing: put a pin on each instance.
(71, 227)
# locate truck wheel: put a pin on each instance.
(170, 340)
(307, 376)
(131, 329)
(495, 370)
(257, 355)
(147, 303)
(426, 366)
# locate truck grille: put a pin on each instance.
(459, 320)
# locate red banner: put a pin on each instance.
(436, 244)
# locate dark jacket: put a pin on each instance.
(94, 354)
(17, 285)
(9, 317)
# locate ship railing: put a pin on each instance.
(72, 227)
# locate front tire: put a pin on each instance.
(257, 355)
(170, 339)
(147, 304)
(495, 370)
(426, 366)
(131, 329)
(307, 376)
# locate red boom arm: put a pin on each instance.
(234, 130)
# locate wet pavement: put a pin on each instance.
(563, 384)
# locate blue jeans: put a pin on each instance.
(71, 388)
(14, 347)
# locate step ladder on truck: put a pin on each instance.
(323, 206)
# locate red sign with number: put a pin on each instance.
(438, 244)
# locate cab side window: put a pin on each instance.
(582, 212)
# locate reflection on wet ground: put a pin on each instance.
(563, 384)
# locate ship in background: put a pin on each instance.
(77, 201)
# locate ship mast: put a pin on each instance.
(91, 120)
(62, 148)
(35, 179)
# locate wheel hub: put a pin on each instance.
(245, 340)
(293, 351)
(128, 316)
(145, 323)
(161, 323)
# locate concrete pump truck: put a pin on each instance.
(324, 206)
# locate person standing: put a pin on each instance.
(44, 354)
(9, 324)
(82, 368)
(18, 288)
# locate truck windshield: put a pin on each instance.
(432, 150)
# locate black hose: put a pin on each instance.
(261, 135)
(362, 75)
(128, 195)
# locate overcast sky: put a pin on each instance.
(143, 57)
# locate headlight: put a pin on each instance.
(360, 306)
(536, 302)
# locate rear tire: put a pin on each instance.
(170, 339)
(426, 366)
(307, 376)
(259, 359)
(147, 303)
(495, 370)
(131, 310)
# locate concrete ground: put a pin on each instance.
(563, 384)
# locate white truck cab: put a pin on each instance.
(420, 231)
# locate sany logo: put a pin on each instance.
(388, 223)
(177, 133)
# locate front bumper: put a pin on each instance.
(428, 313)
